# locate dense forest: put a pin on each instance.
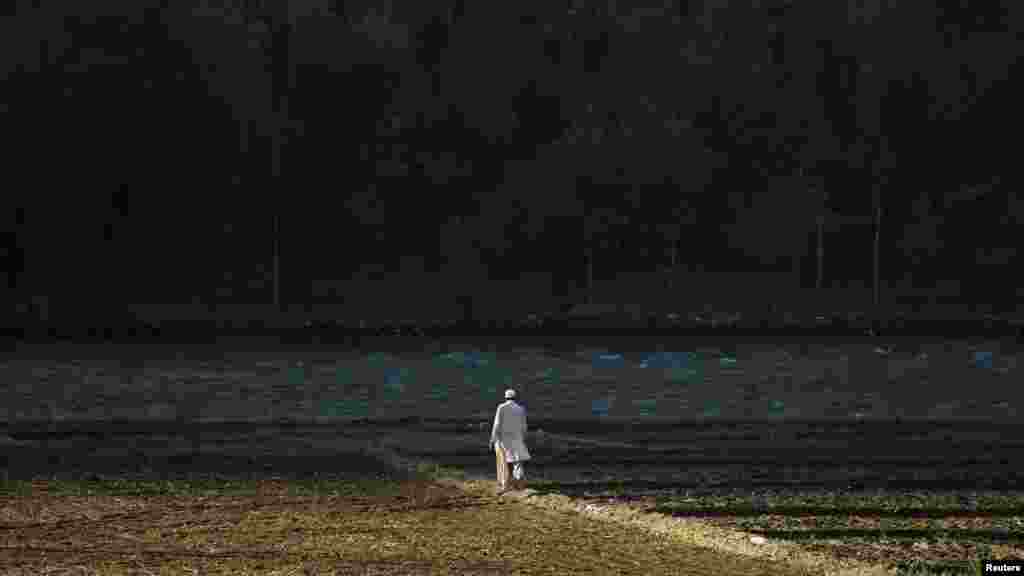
(164, 152)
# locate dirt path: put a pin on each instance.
(683, 533)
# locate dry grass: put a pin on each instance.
(683, 532)
(405, 524)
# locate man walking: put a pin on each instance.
(507, 438)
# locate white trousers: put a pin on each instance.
(502, 466)
(518, 472)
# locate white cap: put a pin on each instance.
(510, 393)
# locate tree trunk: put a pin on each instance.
(275, 173)
(821, 252)
(821, 242)
(797, 262)
(277, 263)
(590, 273)
(875, 296)
(275, 41)
(673, 250)
(800, 250)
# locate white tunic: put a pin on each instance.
(509, 431)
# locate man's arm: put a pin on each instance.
(497, 427)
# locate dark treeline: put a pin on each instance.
(155, 143)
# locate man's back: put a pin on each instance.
(512, 418)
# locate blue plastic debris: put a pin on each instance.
(394, 380)
(471, 359)
(476, 360)
(601, 406)
(983, 360)
(666, 360)
(608, 361)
